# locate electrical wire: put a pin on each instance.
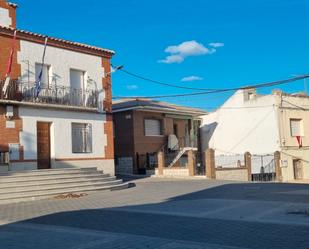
(261, 85)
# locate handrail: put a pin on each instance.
(4, 157)
(51, 94)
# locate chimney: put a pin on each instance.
(249, 94)
(8, 14)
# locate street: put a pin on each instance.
(165, 213)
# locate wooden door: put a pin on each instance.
(43, 145)
(298, 169)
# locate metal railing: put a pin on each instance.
(4, 157)
(53, 94)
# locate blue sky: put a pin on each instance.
(224, 43)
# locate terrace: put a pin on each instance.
(52, 94)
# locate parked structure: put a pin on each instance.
(144, 127)
(56, 111)
(261, 125)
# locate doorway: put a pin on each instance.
(298, 169)
(43, 145)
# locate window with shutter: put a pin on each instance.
(153, 127)
(296, 127)
(81, 138)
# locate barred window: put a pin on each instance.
(81, 138)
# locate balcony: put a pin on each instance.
(54, 95)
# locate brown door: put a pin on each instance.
(43, 145)
(298, 169)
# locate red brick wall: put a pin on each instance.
(12, 11)
(5, 49)
(9, 135)
(107, 107)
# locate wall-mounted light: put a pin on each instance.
(9, 112)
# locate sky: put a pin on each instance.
(196, 43)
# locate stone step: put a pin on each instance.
(60, 180)
(41, 190)
(29, 173)
(50, 175)
(38, 196)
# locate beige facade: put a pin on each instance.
(294, 157)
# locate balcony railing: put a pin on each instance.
(54, 94)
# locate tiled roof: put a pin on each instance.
(60, 40)
(142, 104)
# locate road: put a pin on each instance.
(165, 214)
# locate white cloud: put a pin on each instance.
(191, 78)
(132, 87)
(172, 59)
(179, 52)
(216, 44)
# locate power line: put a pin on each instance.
(163, 83)
(261, 85)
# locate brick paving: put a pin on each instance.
(162, 213)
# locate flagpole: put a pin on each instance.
(39, 81)
(9, 66)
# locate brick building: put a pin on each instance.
(144, 127)
(68, 122)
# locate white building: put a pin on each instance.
(261, 125)
(69, 123)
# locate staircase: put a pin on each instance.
(180, 154)
(39, 184)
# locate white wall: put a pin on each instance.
(61, 142)
(60, 62)
(5, 19)
(240, 126)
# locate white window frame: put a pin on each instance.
(300, 127)
(39, 66)
(85, 139)
(160, 127)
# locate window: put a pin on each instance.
(81, 138)
(45, 74)
(77, 79)
(296, 127)
(153, 127)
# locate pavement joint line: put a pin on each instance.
(116, 236)
(181, 214)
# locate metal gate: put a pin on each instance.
(263, 168)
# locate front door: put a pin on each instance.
(298, 169)
(43, 145)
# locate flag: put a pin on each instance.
(299, 141)
(9, 66)
(39, 81)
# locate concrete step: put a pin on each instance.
(29, 173)
(19, 191)
(53, 181)
(38, 196)
(39, 184)
(47, 176)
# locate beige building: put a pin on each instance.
(293, 119)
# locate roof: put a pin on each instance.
(157, 106)
(26, 35)
(14, 5)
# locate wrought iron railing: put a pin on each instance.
(53, 94)
(4, 157)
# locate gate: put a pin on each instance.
(263, 168)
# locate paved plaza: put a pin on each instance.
(165, 214)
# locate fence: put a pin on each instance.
(244, 167)
(52, 94)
